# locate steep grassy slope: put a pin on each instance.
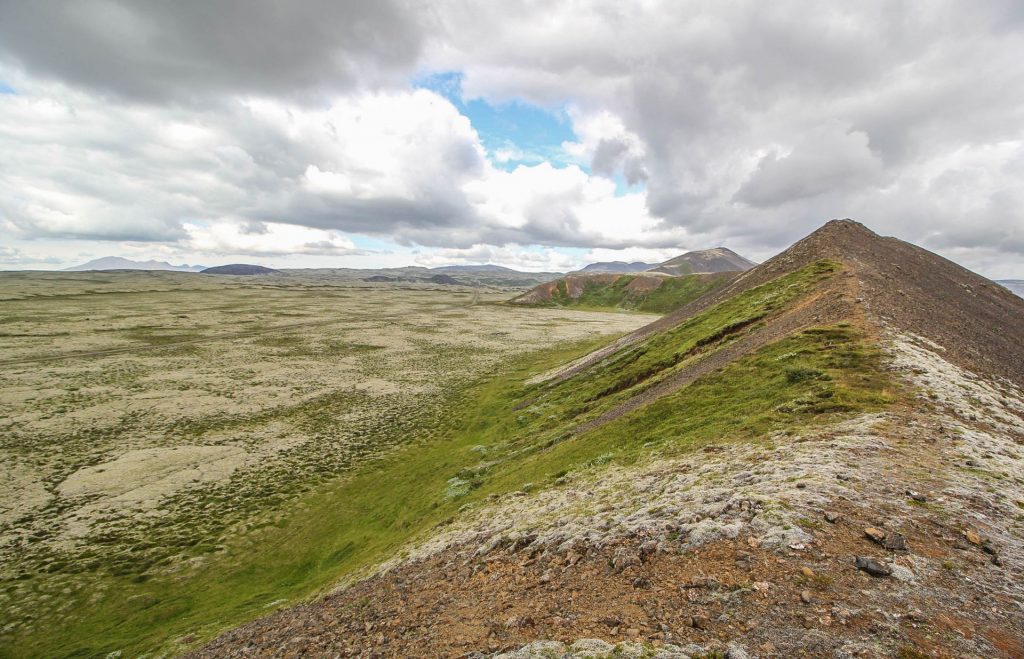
(645, 293)
(754, 436)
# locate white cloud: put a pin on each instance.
(534, 259)
(264, 239)
(632, 254)
(17, 258)
(404, 165)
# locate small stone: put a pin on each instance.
(873, 567)
(699, 622)
(895, 542)
(801, 486)
(917, 496)
(519, 622)
(831, 517)
(807, 572)
(632, 632)
(805, 597)
(988, 548)
(641, 582)
(972, 537)
(623, 559)
(702, 582)
(545, 578)
(961, 544)
(753, 542)
(875, 535)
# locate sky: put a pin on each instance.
(535, 135)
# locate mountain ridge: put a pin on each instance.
(615, 266)
(820, 457)
(120, 263)
(702, 261)
(716, 259)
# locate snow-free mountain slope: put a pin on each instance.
(821, 458)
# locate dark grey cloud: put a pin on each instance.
(189, 50)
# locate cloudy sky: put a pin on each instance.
(539, 135)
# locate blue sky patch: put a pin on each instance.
(514, 133)
(6, 89)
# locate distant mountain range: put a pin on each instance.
(604, 267)
(118, 263)
(718, 259)
(476, 268)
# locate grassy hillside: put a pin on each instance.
(500, 437)
(644, 293)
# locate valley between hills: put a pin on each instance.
(820, 455)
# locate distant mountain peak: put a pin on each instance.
(616, 266)
(240, 269)
(716, 259)
(120, 263)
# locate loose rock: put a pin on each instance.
(875, 534)
(917, 496)
(873, 567)
(895, 542)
